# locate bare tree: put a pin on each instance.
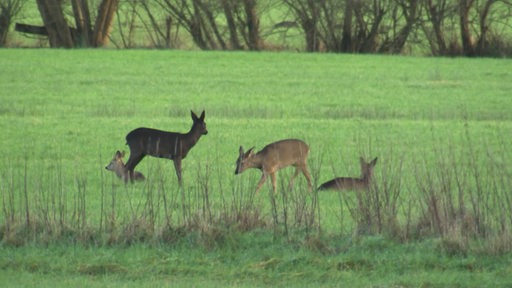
(126, 30)
(491, 13)
(404, 18)
(437, 11)
(307, 13)
(451, 27)
(465, 33)
(369, 16)
(8, 10)
(57, 29)
(190, 15)
(355, 25)
(203, 20)
(160, 35)
(329, 24)
(463, 27)
(229, 7)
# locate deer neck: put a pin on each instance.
(256, 161)
(190, 139)
(121, 171)
(366, 178)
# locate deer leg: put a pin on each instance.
(273, 178)
(260, 183)
(177, 167)
(132, 162)
(308, 177)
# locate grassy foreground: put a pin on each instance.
(440, 128)
(373, 262)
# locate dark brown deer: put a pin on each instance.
(275, 156)
(163, 144)
(347, 183)
(117, 166)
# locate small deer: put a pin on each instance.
(118, 167)
(274, 156)
(163, 144)
(347, 183)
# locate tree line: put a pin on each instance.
(439, 27)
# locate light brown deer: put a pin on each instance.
(163, 144)
(117, 166)
(347, 183)
(275, 156)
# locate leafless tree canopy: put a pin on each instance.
(221, 24)
(444, 27)
(389, 26)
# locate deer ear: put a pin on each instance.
(202, 116)
(193, 115)
(374, 161)
(249, 152)
(118, 153)
(241, 150)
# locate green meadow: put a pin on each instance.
(438, 214)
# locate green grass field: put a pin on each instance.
(440, 214)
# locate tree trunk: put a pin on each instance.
(168, 26)
(83, 22)
(482, 40)
(437, 13)
(312, 39)
(203, 24)
(346, 35)
(309, 21)
(5, 21)
(253, 25)
(370, 42)
(106, 12)
(210, 27)
(196, 28)
(465, 33)
(329, 34)
(410, 9)
(59, 33)
(229, 7)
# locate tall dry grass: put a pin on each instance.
(459, 196)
